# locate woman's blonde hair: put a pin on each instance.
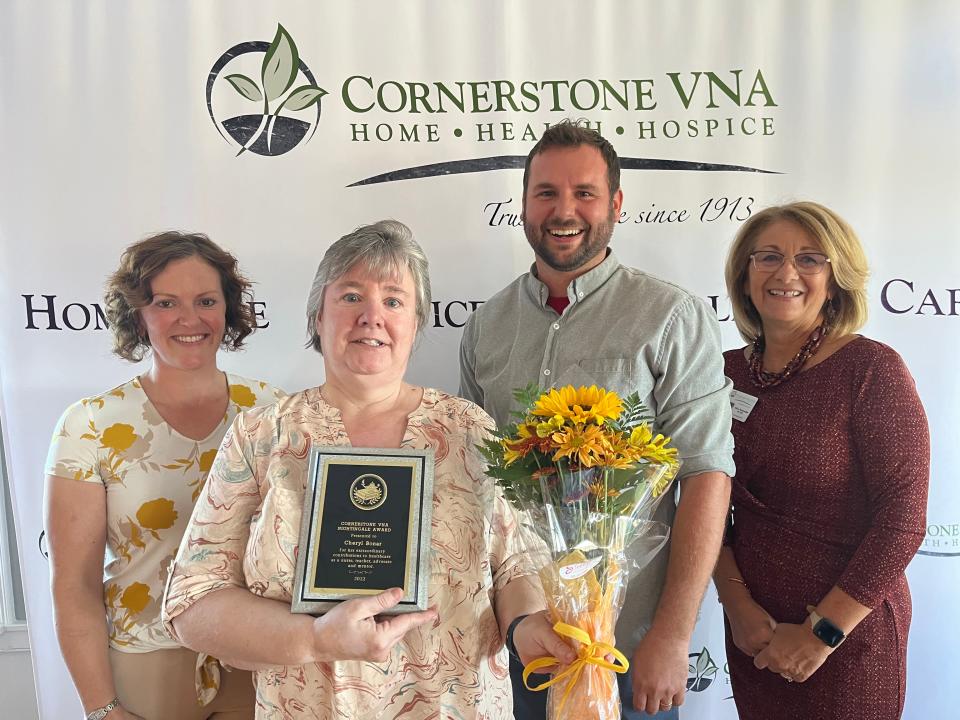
(848, 263)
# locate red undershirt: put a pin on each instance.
(558, 303)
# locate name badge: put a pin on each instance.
(741, 404)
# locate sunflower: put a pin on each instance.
(586, 446)
(556, 402)
(580, 405)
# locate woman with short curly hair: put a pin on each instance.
(124, 470)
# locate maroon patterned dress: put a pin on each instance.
(831, 489)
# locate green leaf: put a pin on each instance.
(515, 474)
(527, 397)
(280, 65)
(245, 86)
(303, 97)
(704, 661)
(634, 413)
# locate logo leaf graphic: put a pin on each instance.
(303, 97)
(705, 663)
(280, 65)
(703, 671)
(245, 86)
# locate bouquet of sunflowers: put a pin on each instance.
(586, 472)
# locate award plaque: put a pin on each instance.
(365, 527)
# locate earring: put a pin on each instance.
(829, 313)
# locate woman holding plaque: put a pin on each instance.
(124, 470)
(231, 587)
(829, 500)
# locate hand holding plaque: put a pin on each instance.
(364, 629)
(365, 528)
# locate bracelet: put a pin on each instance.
(511, 648)
(101, 713)
(740, 581)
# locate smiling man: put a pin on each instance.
(580, 317)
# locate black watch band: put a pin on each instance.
(828, 633)
(511, 647)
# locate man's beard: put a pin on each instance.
(595, 240)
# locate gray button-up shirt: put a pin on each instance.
(623, 330)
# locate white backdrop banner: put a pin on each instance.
(121, 119)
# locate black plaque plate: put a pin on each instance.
(365, 528)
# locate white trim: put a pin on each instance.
(8, 618)
(14, 639)
(7, 615)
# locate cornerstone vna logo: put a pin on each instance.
(268, 131)
(702, 671)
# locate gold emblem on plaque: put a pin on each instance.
(368, 492)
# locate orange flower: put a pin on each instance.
(157, 514)
(585, 447)
(242, 395)
(598, 490)
(514, 449)
(135, 598)
(118, 437)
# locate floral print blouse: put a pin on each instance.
(152, 475)
(245, 532)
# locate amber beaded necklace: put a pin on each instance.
(763, 379)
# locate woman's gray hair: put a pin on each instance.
(385, 248)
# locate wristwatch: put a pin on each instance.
(829, 634)
(511, 648)
(101, 713)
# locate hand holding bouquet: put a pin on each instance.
(587, 472)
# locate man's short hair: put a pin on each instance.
(571, 134)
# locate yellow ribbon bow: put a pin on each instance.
(590, 652)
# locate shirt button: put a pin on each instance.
(547, 371)
(580, 294)
(556, 326)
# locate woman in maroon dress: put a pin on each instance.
(829, 500)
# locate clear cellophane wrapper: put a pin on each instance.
(584, 559)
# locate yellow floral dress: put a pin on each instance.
(152, 475)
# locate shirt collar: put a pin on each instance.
(579, 288)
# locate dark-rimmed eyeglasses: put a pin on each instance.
(768, 261)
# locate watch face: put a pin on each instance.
(828, 632)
